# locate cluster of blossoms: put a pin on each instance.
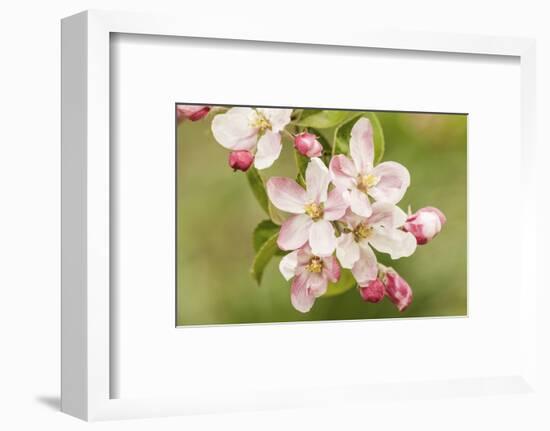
(346, 211)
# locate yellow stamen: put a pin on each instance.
(365, 182)
(315, 264)
(362, 231)
(260, 122)
(314, 210)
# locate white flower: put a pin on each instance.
(386, 182)
(311, 275)
(314, 207)
(382, 230)
(255, 130)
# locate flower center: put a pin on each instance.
(362, 231)
(315, 265)
(260, 122)
(314, 210)
(365, 182)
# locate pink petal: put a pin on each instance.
(331, 268)
(301, 299)
(425, 224)
(240, 160)
(440, 215)
(317, 180)
(289, 264)
(347, 250)
(232, 130)
(336, 204)
(362, 145)
(269, 149)
(395, 242)
(366, 268)
(286, 195)
(316, 285)
(278, 118)
(191, 112)
(343, 172)
(359, 203)
(304, 255)
(294, 232)
(394, 179)
(373, 291)
(321, 238)
(398, 290)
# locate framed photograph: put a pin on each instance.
(239, 234)
(313, 191)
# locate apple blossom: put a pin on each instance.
(255, 130)
(240, 160)
(425, 224)
(372, 291)
(191, 112)
(314, 209)
(308, 145)
(311, 275)
(386, 182)
(382, 231)
(397, 289)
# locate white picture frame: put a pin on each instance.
(86, 310)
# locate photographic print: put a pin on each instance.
(296, 214)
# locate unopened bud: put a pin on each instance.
(240, 160)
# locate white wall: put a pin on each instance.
(29, 185)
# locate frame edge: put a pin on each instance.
(74, 306)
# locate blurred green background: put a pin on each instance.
(216, 214)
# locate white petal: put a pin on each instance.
(288, 265)
(331, 268)
(321, 238)
(233, 131)
(317, 285)
(393, 181)
(301, 298)
(395, 242)
(366, 267)
(343, 172)
(286, 194)
(362, 145)
(269, 149)
(336, 205)
(278, 118)
(359, 203)
(347, 250)
(317, 180)
(387, 215)
(294, 232)
(352, 219)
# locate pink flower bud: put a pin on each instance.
(308, 145)
(240, 160)
(373, 291)
(398, 290)
(191, 112)
(425, 224)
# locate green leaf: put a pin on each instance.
(301, 165)
(264, 255)
(343, 133)
(322, 119)
(263, 231)
(258, 188)
(345, 283)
